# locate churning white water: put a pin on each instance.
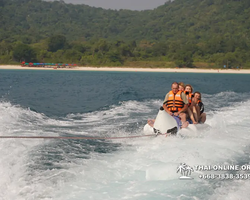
(142, 168)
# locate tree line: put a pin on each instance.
(184, 33)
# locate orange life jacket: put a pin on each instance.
(174, 102)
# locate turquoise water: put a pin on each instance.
(61, 93)
(78, 103)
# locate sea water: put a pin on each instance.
(108, 104)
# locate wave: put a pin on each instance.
(125, 169)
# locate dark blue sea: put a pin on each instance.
(118, 104)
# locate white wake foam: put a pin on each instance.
(141, 169)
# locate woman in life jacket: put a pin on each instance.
(181, 86)
(192, 109)
(189, 92)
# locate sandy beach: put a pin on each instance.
(124, 69)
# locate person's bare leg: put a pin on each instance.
(184, 121)
(198, 113)
(191, 115)
(203, 118)
(185, 124)
(195, 114)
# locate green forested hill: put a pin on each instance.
(38, 19)
(183, 31)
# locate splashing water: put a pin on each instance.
(124, 169)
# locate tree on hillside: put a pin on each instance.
(72, 56)
(101, 46)
(184, 59)
(5, 48)
(23, 52)
(56, 43)
(115, 57)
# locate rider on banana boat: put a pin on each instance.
(181, 86)
(191, 111)
(200, 108)
(176, 104)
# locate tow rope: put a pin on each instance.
(172, 131)
(77, 137)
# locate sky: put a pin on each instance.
(120, 4)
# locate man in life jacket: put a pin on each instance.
(176, 104)
(201, 115)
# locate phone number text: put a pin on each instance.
(224, 176)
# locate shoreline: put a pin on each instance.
(127, 69)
